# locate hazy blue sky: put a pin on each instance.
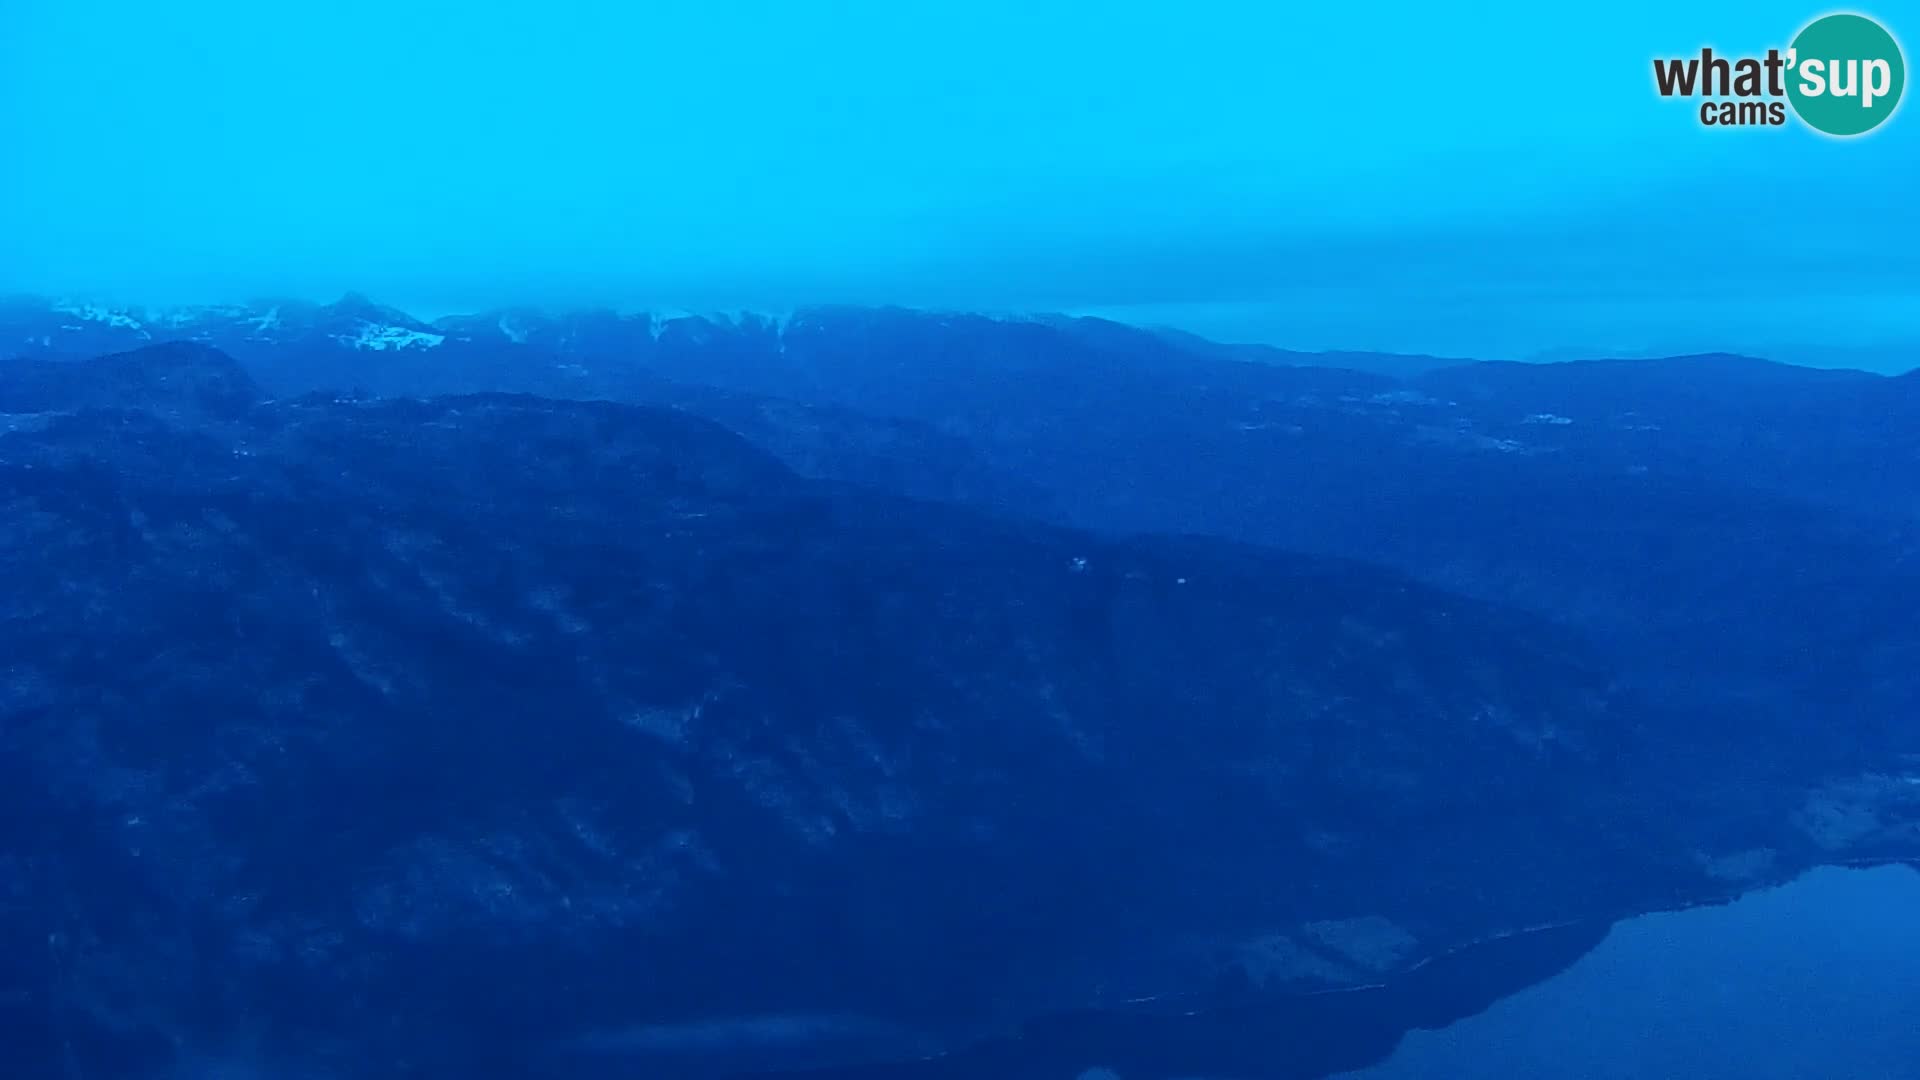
(1344, 175)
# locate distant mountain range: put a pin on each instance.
(35, 325)
(1821, 435)
(875, 684)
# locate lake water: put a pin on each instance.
(1818, 978)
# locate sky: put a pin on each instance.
(1497, 181)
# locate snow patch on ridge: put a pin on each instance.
(197, 316)
(379, 338)
(94, 313)
(658, 321)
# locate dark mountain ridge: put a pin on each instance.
(483, 727)
(1824, 436)
(1736, 607)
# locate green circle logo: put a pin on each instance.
(1845, 74)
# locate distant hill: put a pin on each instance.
(1400, 365)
